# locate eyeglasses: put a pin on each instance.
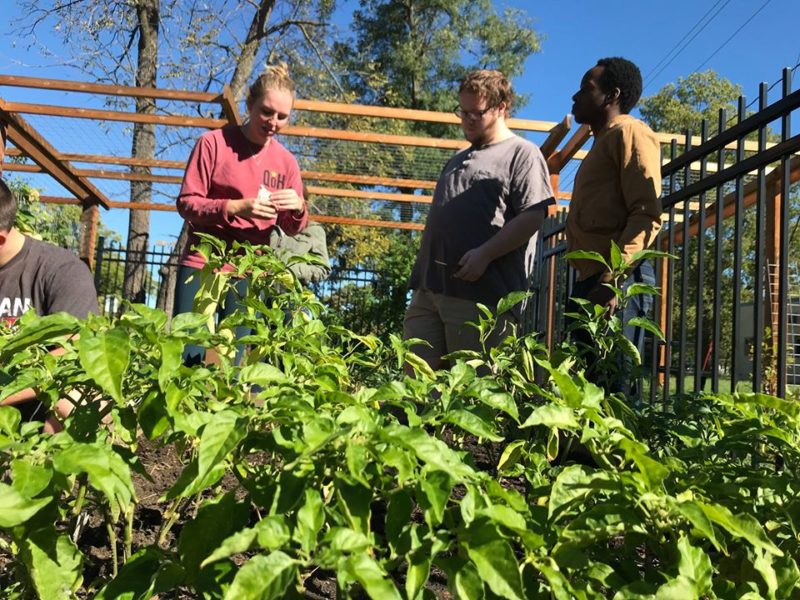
(472, 114)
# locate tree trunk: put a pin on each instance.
(135, 284)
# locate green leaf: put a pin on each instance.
(355, 500)
(637, 289)
(497, 566)
(263, 578)
(310, 519)
(346, 540)
(107, 471)
(472, 423)
(693, 513)
(105, 356)
(29, 480)
(436, 487)
(502, 401)
(216, 521)
(695, 565)
(587, 255)
(559, 584)
(171, 360)
(575, 484)
(369, 574)
(680, 588)
(219, 437)
(429, 450)
(647, 325)
(552, 415)
(53, 562)
(262, 374)
(467, 583)
(38, 331)
(510, 301)
(149, 572)
(510, 455)
(616, 257)
(419, 568)
(270, 533)
(742, 525)
(10, 418)
(15, 508)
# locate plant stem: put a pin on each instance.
(112, 538)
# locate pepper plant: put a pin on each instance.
(313, 453)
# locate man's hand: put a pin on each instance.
(259, 208)
(604, 296)
(288, 200)
(473, 265)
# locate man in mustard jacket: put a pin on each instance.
(617, 187)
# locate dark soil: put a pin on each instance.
(164, 466)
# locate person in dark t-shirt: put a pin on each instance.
(38, 276)
(477, 247)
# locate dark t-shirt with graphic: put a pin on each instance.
(47, 279)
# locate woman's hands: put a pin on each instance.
(262, 207)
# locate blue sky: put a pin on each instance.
(575, 33)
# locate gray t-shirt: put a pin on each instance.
(48, 279)
(478, 192)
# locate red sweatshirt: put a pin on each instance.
(224, 166)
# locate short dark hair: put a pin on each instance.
(8, 207)
(623, 74)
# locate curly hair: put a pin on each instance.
(490, 85)
(623, 74)
(275, 77)
(8, 207)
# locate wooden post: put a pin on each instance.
(90, 217)
(3, 137)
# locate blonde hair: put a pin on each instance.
(489, 85)
(274, 77)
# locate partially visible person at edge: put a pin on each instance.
(240, 182)
(615, 196)
(478, 243)
(312, 241)
(38, 276)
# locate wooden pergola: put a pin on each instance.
(83, 174)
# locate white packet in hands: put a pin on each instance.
(263, 193)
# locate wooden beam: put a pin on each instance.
(557, 135)
(113, 115)
(557, 160)
(229, 106)
(106, 89)
(183, 121)
(406, 114)
(3, 138)
(420, 184)
(28, 140)
(314, 217)
(367, 195)
(367, 222)
(143, 162)
(374, 138)
(90, 220)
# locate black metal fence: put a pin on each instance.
(729, 308)
(365, 300)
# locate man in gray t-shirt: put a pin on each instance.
(38, 276)
(477, 246)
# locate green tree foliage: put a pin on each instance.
(682, 106)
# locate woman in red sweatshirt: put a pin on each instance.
(239, 183)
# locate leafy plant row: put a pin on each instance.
(315, 454)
